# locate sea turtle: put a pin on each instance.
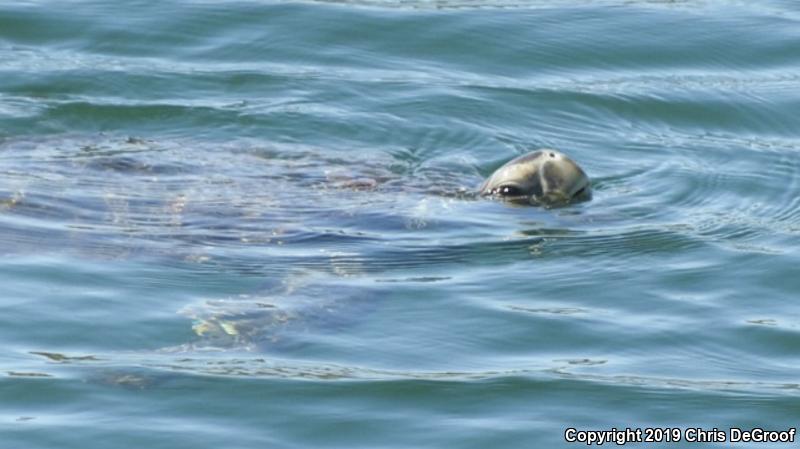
(255, 210)
(545, 177)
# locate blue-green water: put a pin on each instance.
(251, 224)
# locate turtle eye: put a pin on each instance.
(508, 190)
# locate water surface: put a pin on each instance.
(253, 224)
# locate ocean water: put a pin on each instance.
(253, 224)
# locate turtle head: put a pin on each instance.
(544, 177)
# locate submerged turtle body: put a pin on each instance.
(300, 219)
(545, 177)
(277, 319)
